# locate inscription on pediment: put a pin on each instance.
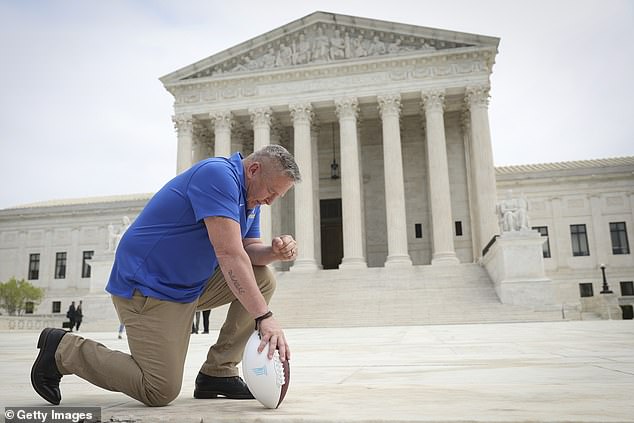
(323, 43)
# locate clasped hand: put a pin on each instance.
(284, 247)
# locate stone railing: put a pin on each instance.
(36, 322)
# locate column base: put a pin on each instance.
(305, 265)
(353, 263)
(444, 259)
(398, 261)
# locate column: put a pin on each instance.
(21, 266)
(74, 260)
(314, 144)
(477, 99)
(601, 230)
(465, 125)
(184, 125)
(277, 209)
(302, 116)
(629, 228)
(559, 234)
(353, 222)
(390, 107)
(47, 261)
(222, 122)
(439, 192)
(261, 119)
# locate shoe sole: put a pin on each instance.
(41, 344)
(214, 394)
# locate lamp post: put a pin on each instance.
(334, 167)
(606, 288)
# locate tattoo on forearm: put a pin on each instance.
(235, 282)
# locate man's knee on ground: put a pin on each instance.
(159, 395)
(265, 279)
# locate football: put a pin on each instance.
(267, 379)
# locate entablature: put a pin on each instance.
(452, 71)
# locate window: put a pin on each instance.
(57, 306)
(585, 289)
(627, 288)
(543, 230)
(618, 233)
(34, 266)
(579, 238)
(29, 307)
(85, 267)
(60, 265)
(418, 228)
(458, 225)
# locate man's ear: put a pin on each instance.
(252, 169)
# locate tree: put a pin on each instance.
(14, 294)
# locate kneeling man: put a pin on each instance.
(195, 246)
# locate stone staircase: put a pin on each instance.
(420, 295)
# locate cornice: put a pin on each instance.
(451, 69)
(443, 60)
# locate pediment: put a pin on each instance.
(322, 38)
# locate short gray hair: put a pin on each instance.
(281, 158)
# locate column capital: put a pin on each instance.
(433, 100)
(477, 95)
(347, 107)
(261, 116)
(183, 122)
(389, 104)
(301, 112)
(222, 119)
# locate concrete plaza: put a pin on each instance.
(578, 371)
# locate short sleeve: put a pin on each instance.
(214, 190)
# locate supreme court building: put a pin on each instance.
(401, 110)
(389, 125)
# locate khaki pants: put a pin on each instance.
(158, 336)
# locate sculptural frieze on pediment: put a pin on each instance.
(325, 43)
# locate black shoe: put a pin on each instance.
(45, 376)
(214, 387)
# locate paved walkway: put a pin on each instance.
(516, 372)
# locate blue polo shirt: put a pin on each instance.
(166, 252)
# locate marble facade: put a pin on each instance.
(379, 83)
(403, 111)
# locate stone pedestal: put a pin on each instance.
(605, 306)
(516, 266)
(99, 312)
(100, 268)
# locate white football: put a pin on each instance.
(267, 379)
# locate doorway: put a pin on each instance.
(628, 312)
(331, 233)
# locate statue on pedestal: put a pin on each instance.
(114, 236)
(513, 213)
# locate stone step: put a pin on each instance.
(386, 297)
(417, 295)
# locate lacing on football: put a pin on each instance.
(279, 369)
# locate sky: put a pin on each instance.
(83, 113)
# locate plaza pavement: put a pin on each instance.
(577, 371)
